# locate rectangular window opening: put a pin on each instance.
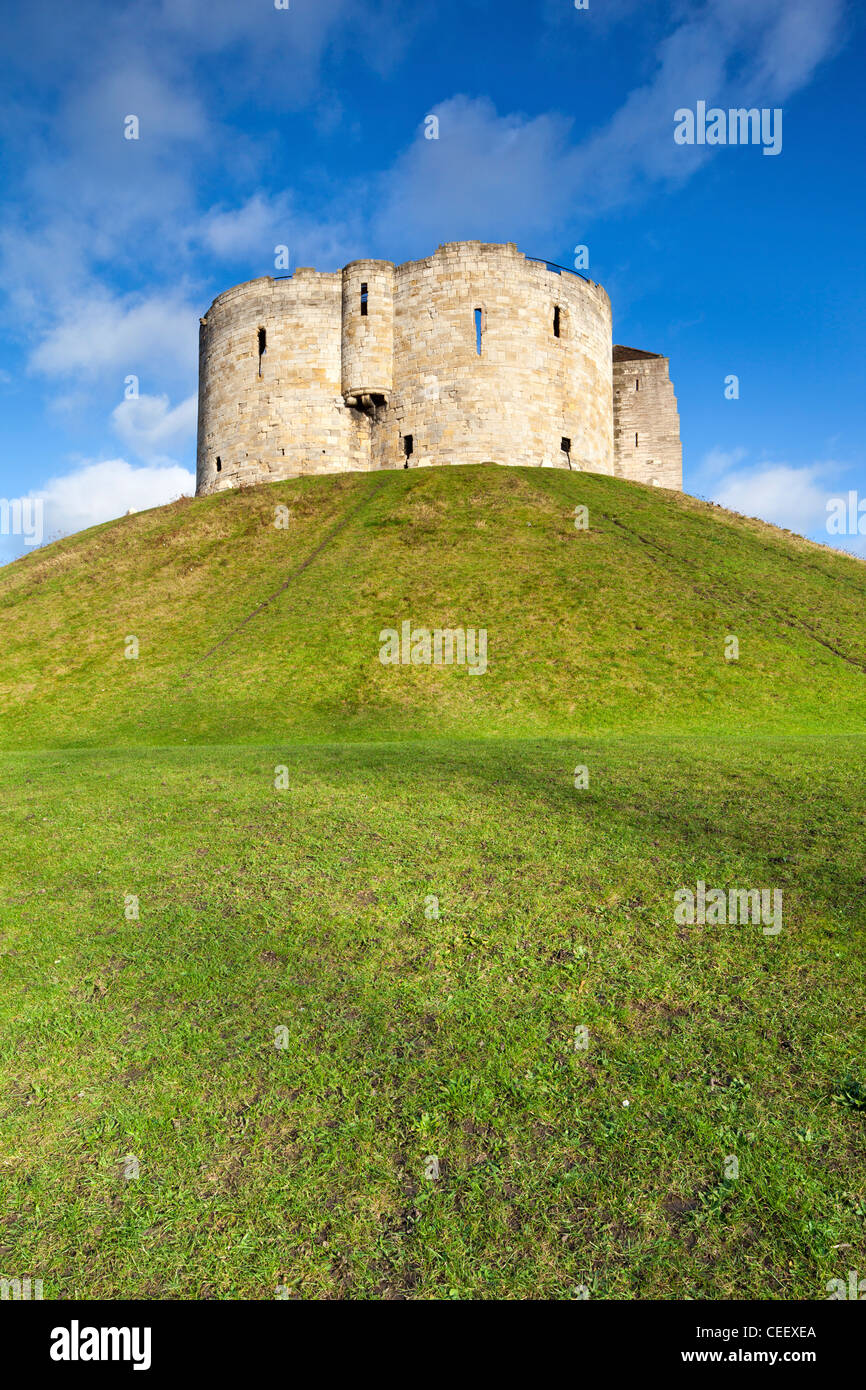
(557, 324)
(637, 383)
(565, 445)
(219, 464)
(408, 446)
(364, 298)
(263, 347)
(479, 329)
(635, 439)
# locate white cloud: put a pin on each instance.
(791, 496)
(253, 230)
(718, 461)
(487, 170)
(792, 37)
(299, 35)
(787, 496)
(135, 205)
(152, 429)
(257, 224)
(100, 491)
(730, 52)
(124, 335)
(484, 171)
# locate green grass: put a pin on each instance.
(307, 909)
(619, 627)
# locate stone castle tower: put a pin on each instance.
(477, 354)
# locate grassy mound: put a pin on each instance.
(280, 925)
(248, 632)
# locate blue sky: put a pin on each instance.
(305, 127)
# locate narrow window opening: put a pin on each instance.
(565, 446)
(364, 299)
(408, 446)
(637, 383)
(635, 439)
(479, 329)
(263, 347)
(556, 321)
(219, 464)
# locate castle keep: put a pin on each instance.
(477, 354)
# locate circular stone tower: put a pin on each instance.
(501, 359)
(476, 354)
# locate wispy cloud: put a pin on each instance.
(484, 171)
(153, 430)
(97, 491)
(121, 335)
(787, 496)
(488, 169)
(793, 496)
(253, 230)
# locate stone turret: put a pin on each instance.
(368, 331)
(646, 436)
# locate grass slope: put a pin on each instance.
(288, 1029)
(621, 626)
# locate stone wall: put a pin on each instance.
(338, 389)
(646, 435)
(281, 413)
(527, 389)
